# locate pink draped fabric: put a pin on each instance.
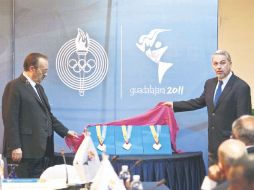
(74, 142)
(159, 115)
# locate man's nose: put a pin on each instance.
(218, 66)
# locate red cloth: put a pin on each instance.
(159, 115)
(74, 142)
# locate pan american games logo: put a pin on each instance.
(82, 63)
(153, 49)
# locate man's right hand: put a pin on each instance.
(215, 173)
(16, 155)
(170, 104)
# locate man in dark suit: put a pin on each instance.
(243, 130)
(28, 121)
(226, 97)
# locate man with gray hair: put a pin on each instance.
(243, 129)
(226, 97)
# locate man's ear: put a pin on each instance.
(31, 68)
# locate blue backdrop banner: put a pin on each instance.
(115, 59)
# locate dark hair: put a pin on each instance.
(32, 60)
(247, 163)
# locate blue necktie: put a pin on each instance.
(218, 93)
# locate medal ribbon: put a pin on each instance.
(126, 134)
(100, 136)
(154, 133)
(124, 131)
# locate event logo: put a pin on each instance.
(153, 50)
(82, 63)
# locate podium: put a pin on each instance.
(142, 140)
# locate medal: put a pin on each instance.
(101, 137)
(126, 131)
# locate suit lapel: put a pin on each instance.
(31, 90)
(44, 97)
(212, 90)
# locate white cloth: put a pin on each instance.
(106, 178)
(208, 184)
(55, 176)
(86, 160)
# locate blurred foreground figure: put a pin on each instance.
(241, 175)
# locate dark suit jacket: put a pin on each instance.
(250, 149)
(27, 124)
(234, 101)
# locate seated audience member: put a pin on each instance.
(229, 151)
(241, 174)
(243, 130)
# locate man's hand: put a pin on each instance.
(16, 155)
(72, 134)
(170, 104)
(215, 173)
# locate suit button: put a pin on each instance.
(213, 114)
(212, 127)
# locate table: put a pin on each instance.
(184, 171)
(152, 185)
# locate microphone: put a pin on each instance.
(70, 186)
(66, 171)
(158, 184)
(137, 163)
(114, 158)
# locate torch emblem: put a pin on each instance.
(81, 63)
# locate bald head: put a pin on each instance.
(230, 151)
(243, 129)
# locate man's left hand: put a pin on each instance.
(72, 133)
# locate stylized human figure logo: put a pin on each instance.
(82, 63)
(154, 51)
